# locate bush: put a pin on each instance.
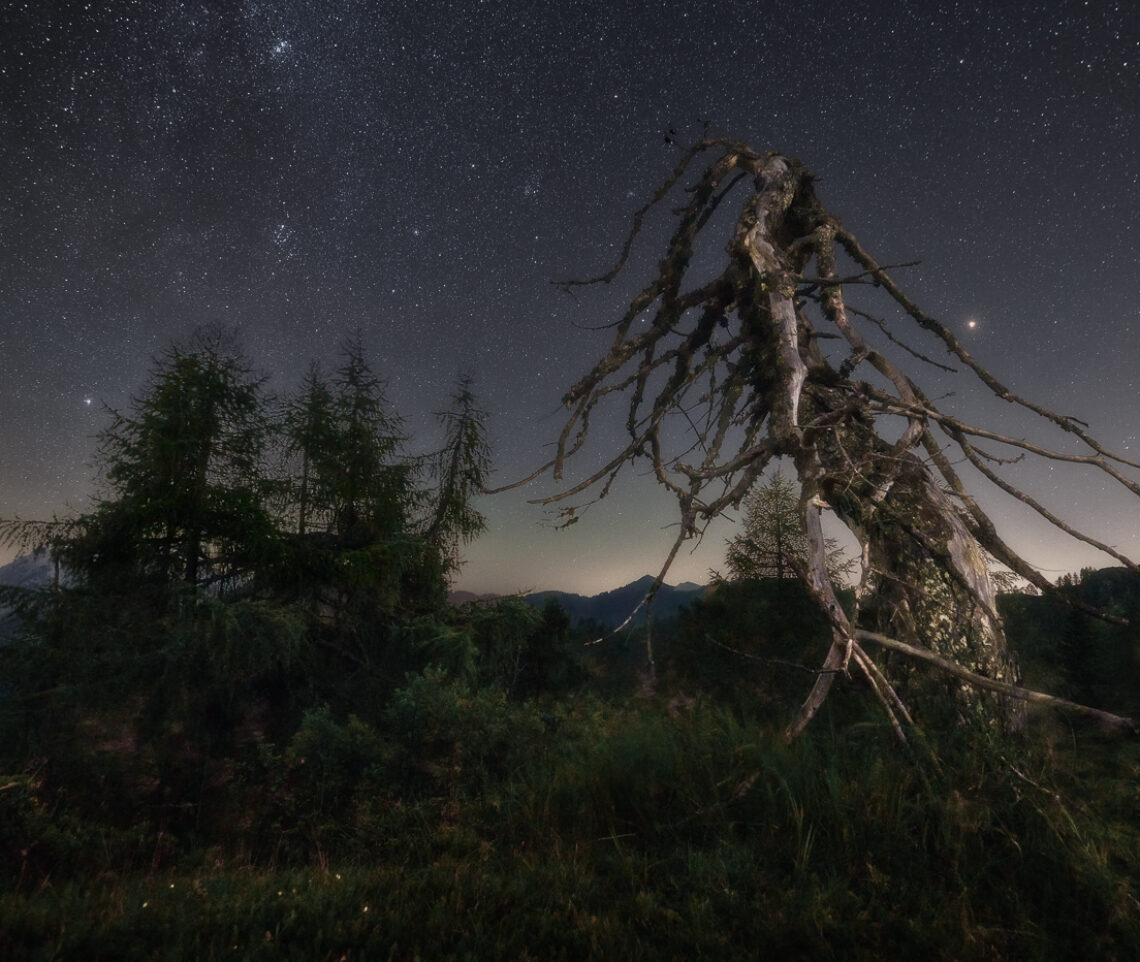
(455, 740)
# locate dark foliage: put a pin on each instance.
(749, 642)
(1088, 659)
(335, 764)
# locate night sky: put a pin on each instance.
(423, 170)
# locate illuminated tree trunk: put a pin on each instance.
(737, 360)
(927, 578)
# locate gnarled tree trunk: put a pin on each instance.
(744, 349)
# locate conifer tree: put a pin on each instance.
(184, 471)
(368, 483)
(462, 467)
(357, 546)
(308, 429)
(773, 543)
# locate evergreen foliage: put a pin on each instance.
(370, 486)
(773, 543)
(244, 723)
(749, 642)
(183, 472)
(1082, 657)
(309, 435)
(461, 469)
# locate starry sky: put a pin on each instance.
(422, 171)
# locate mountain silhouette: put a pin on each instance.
(27, 571)
(611, 608)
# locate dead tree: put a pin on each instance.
(738, 361)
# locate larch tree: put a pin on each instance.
(772, 543)
(461, 469)
(369, 482)
(309, 432)
(184, 469)
(358, 546)
(738, 360)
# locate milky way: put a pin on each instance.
(422, 171)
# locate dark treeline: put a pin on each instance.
(244, 722)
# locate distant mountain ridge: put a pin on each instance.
(27, 571)
(610, 608)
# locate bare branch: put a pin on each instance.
(1065, 422)
(749, 342)
(990, 684)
